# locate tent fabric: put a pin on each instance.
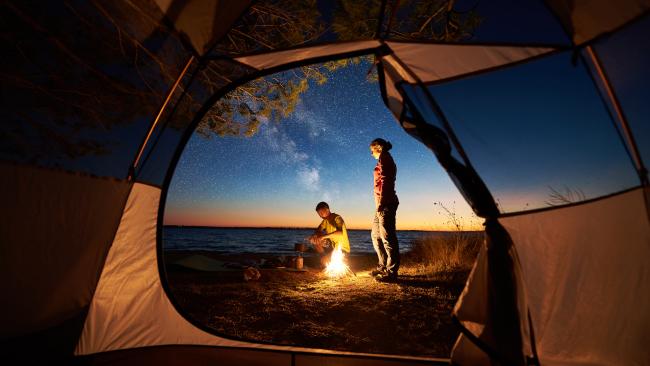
(492, 308)
(437, 62)
(394, 72)
(54, 344)
(105, 19)
(623, 57)
(391, 73)
(585, 20)
(182, 355)
(513, 124)
(131, 310)
(587, 280)
(54, 243)
(466, 352)
(269, 60)
(173, 355)
(203, 22)
(582, 274)
(83, 81)
(432, 129)
(473, 314)
(429, 62)
(413, 63)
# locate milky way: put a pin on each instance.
(320, 152)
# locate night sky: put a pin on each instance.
(528, 130)
(321, 152)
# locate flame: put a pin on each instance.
(336, 267)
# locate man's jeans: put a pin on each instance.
(384, 239)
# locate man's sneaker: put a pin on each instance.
(377, 271)
(387, 278)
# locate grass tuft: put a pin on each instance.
(446, 252)
(452, 252)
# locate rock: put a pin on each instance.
(251, 274)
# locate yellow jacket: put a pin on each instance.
(333, 223)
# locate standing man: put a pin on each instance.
(384, 234)
(330, 234)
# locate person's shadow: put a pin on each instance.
(455, 281)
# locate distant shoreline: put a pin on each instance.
(298, 228)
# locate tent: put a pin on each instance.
(99, 99)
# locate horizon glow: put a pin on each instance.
(319, 153)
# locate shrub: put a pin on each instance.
(446, 251)
(451, 251)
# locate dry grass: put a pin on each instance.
(452, 252)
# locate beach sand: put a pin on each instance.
(308, 309)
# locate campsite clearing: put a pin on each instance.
(410, 317)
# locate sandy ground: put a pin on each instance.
(355, 313)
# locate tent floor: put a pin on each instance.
(204, 355)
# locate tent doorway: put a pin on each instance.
(244, 193)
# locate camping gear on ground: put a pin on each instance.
(274, 262)
(299, 262)
(203, 263)
(295, 262)
(299, 248)
(251, 274)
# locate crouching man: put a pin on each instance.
(330, 234)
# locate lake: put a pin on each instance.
(269, 240)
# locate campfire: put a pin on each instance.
(337, 267)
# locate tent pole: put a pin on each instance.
(636, 156)
(157, 119)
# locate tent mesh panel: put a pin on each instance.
(625, 56)
(552, 145)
